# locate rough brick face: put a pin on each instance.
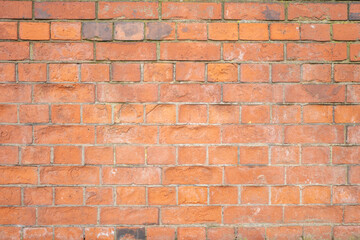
(188, 120)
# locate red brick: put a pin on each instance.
(346, 232)
(189, 51)
(192, 31)
(190, 93)
(95, 73)
(64, 134)
(38, 233)
(69, 175)
(8, 30)
(284, 233)
(8, 113)
(355, 52)
(285, 195)
(68, 196)
(64, 10)
(353, 93)
(225, 72)
(284, 31)
(251, 134)
(126, 134)
(316, 175)
(192, 195)
(353, 136)
(63, 73)
(285, 73)
(124, 233)
(315, 214)
(346, 73)
(66, 30)
(158, 72)
(34, 31)
(157, 233)
(252, 93)
(192, 113)
(316, 72)
(254, 72)
(254, 195)
(127, 175)
(32, 72)
(346, 32)
(192, 175)
(99, 31)
(221, 233)
(315, 155)
(191, 233)
(191, 215)
(256, 233)
(10, 233)
(99, 196)
(35, 155)
(34, 113)
(317, 232)
(11, 51)
(130, 216)
(67, 155)
(67, 215)
(9, 155)
(257, 52)
(317, 11)
(128, 10)
(254, 175)
(223, 195)
(63, 51)
(223, 155)
(346, 155)
(310, 93)
(161, 155)
(96, 113)
(255, 114)
(189, 134)
(347, 114)
(17, 216)
(254, 11)
(7, 72)
(162, 196)
(15, 134)
(127, 93)
(129, 31)
(315, 32)
(160, 31)
(354, 11)
(191, 155)
(130, 154)
(223, 31)
(63, 233)
(352, 214)
(191, 10)
(285, 155)
(317, 114)
(190, 71)
(316, 51)
(254, 155)
(252, 214)
(99, 155)
(38, 196)
(126, 51)
(224, 114)
(129, 113)
(253, 31)
(346, 194)
(286, 114)
(130, 196)
(101, 233)
(10, 196)
(16, 9)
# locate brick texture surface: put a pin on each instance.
(187, 120)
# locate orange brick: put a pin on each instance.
(18, 175)
(161, 155)
(95, 73)
(68, 196)
(130, 154)
(126, 51)
(10, 232)
(191, 155)
(34, 113)
(20, 10)
(191, 31)
(55, 93)
(200, 51)
(128, 175)
(64, 10)
(285, 155)
(315, 155)
(224, 114)
(158, 72)
(255, 114)
(346, 32)
(223, 155)
(128, 10)
(284, 31)
(224, 233)
(283, 233)
(316, 51)
(162, 196)
(254, 195)
(128, 113)
(15, 134)
(189, 134)
(191, 10)
(316, 175)
(101, 233)
(254, 155)
(10, 196)
(354, 174)
(99, 155)
(346, 73)
(124, 72)
(192, 195)
(192, 175)
(32, 72)
(8, 113)
(67, 155)
(317, 11)
(223, 195)
(266, 214)
(66, 30)
(314, 93)
(131, 216)
(129, 31)
(346, 194)
(346, 232)
(316, 214)
(190, 71)
(251, 232)
(98, 196)
(253, 31)
(252, 93)
(285, 73)
(38, 196)
(251, 134)
(224, 72)
(286, 114)
(96, 113)
(254, 11)
(285, 195)
(316, 72)
(165, 233)
(130, 196)
(223, 31)
(191, 215)
(318, 232)
(67, 215)
(257, 52)
(318, 114)
(347, 114)
(35, 155)
(65, 114)
(315, 32)
(37, 233)
(17, 216)
(14, 51)
(254, 175)
(34, 31)
(63, 73)
(62, 233)
(192, 113)
(8, 30)
(127, 93)
(191, 233)
(161, 113)
(63, 51)
(63, 175)
(353, 93)
(9, 155)
(7, 72)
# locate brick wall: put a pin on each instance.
(187, 120)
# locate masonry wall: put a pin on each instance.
(179, 120)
